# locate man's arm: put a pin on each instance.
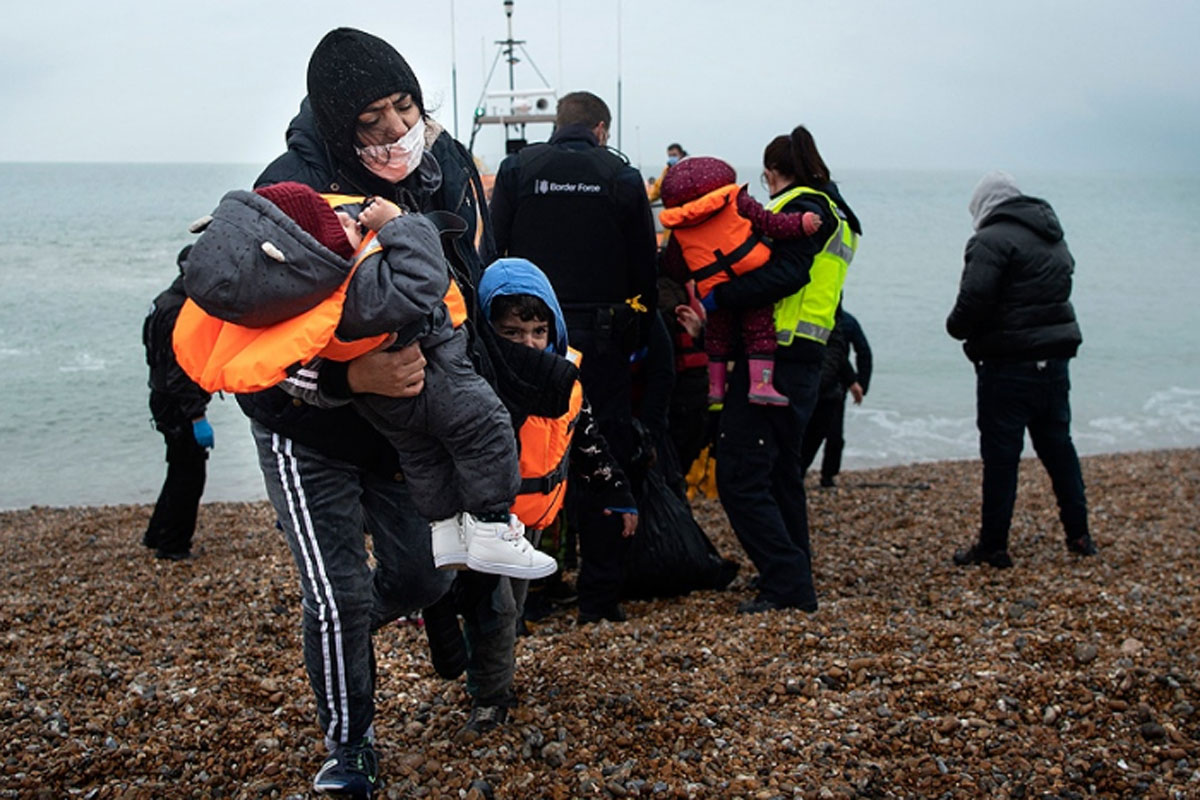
(328, 384)
(983, 271)
(862, 352)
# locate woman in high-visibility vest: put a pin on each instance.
(760, 478)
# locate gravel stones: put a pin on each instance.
(126, 677)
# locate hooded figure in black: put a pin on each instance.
(178, 406)
(1014, 313)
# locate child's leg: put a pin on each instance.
(476, 432)
(758, 333)
(719, 340)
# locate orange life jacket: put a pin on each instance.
(718, 243)
(225, 356)
(545, 443)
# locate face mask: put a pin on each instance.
(672, 160)
(396, 161)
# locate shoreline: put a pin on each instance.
(128, 677)
(1026, 458)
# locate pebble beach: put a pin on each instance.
(126, 677)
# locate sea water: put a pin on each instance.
(84, 249)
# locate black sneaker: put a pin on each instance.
(172, 555)
(827, 482)
(483, 719)
(1000, 559)
(350, 771)
(1083, 546)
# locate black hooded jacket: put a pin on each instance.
(1014, 298)
(175, 399)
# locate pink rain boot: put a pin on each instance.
(762, 391)
(716, 381)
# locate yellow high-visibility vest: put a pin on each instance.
(809, 312)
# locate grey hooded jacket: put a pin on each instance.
(255, 266)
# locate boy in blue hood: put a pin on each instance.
(516, 297)
(519, 301)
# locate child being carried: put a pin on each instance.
(281, 266)
(720, 231)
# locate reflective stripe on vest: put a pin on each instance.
(545, 446)
(809, 312)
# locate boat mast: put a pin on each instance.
(453, 70)
(524, 106)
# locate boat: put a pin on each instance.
(516, 108)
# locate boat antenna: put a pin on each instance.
(524, 106)
(453, 70)
(620, 116)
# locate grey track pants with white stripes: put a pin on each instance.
(324, 506)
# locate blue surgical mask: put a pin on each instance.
(672, 160)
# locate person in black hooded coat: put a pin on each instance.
(1018, 327)
(177, 405)
(329, 474)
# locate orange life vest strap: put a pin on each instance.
(340, 349)
(456, 304)
(546, 483)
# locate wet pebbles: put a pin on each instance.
(126, 677)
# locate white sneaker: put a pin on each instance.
(449, 543)
(500, 548)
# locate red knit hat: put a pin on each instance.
(311, 212)
(693, 177)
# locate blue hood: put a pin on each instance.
(506, 276)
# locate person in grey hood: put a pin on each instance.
(1018, 328)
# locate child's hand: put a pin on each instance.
(629, 519)
(811, 223)
(378, 212)
(689, 320)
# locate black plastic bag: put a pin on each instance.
(670, 554)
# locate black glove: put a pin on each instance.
(530, 382)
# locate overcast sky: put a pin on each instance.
(1022, 84)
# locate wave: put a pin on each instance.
(85, 362)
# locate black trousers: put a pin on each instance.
(826, 425)
(689, 416)
(174, 520)
(608, 384)
(761, 481)
(1010, 399)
